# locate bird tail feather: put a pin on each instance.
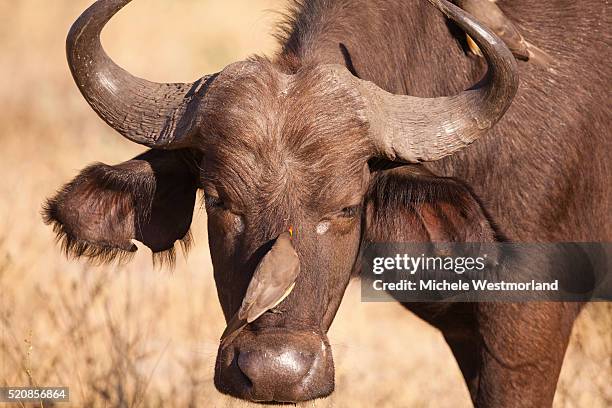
(234, 327)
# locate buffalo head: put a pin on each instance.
(270, 148)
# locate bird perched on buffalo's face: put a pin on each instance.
(272, 282)
(489, 13)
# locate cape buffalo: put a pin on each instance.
(360, 129)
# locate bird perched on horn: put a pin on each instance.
(273, 280)
(489, 13)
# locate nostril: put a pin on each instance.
(280, 368)
(244, 371)
(247, 365)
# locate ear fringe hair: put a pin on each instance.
(73, 247)
(167, 258)
(97, 254)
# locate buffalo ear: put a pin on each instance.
(149, 198)
(409, 204)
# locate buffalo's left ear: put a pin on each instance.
(149, 198)
(410, 204)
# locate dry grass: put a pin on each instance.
(137, 337)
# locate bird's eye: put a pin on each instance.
(350, 212)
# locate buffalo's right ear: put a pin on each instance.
(149, 198)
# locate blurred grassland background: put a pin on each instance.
(135, 336)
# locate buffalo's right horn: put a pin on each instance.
(411, 129)
(153, 114)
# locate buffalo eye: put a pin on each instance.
(350, 212)
(213, 202)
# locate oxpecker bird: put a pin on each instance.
(489, 13)
(272, 282)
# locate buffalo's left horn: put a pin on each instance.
(153, 114)
(412, 129)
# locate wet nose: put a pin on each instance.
(277, 366)
(274, 369)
